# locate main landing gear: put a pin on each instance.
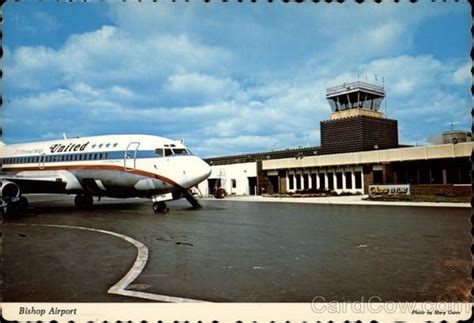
(83, 201)
(160, 207)
(12, 206)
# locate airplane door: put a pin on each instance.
(42, 160)
(129, 160)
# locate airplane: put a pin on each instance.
(118, 166)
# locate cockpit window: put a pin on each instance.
(169, 151)
(180, 151)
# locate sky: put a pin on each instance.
(229, 78)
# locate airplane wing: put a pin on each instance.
(43, 182)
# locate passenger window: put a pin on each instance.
(159, 152)
(168, 152)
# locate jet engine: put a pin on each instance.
(9, 190)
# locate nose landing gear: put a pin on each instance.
(160, 207)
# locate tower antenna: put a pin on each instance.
(383, 85)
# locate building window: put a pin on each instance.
(436, 175)
(330, 181)
(424, 175)
(378, 176)
(358, 179)
(298, 182)
(234, 183)
(348, 180)
(306, 181)
(313, 181)
(322, 181)
(290, 182)
(339, 180)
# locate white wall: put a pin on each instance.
(240, 172)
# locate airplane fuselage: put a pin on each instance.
(113, 166)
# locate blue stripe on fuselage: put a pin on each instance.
(86, 156)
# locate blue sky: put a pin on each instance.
(228, 78)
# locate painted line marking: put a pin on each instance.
(119, 288)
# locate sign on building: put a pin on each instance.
(389, 190)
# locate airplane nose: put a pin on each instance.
(199, 170)
(207, 169)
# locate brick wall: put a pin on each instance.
(263, 183)
(360, 133)
(442, 190)
(368, 177)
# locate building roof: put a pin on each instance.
(374, 157)
(252, 157)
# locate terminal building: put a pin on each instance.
(359, 147)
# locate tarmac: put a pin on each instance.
(340, 200)
(235, 250)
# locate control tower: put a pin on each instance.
(356, 123)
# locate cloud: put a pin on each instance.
(463, 76)
(107, 56)
(233, 79)
(202, 86)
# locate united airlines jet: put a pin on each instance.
(119, 166)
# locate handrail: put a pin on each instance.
(357, 84)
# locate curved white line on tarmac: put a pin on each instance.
(120, 287)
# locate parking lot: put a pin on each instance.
(235, 251)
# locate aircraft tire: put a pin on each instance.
(23, 203)
(83, 201)
(160, 207)
(11, 210)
